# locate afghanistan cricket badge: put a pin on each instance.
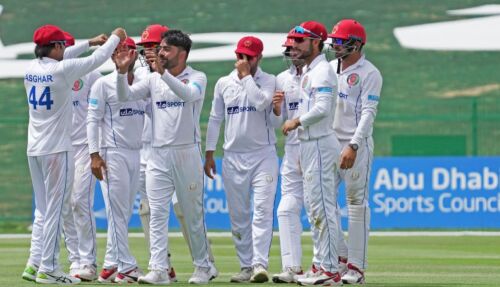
(185, 81)
(77, 85)
(353, 79)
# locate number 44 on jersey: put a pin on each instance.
(43, 100)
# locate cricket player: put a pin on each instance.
(360, 85)
(243, 99)
(175, 164)
(319, 149)
(292, 194)
(116, 163)
(48, 81)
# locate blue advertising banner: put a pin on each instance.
(405, 193)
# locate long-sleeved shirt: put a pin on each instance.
(289, 82)
(147, 133)
(48, 85)
(318, 85)
(246, 107)
(176, 104)
(358, 97)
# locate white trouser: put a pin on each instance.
(176, 169)
(319, 159)
(119, 189)
(242, 173)
(290, 207)
(145, 155)
(356, 181)
(52, 178)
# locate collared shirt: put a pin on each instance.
(289, 82)
(48, 85)
(246, 107)
(358, 97)
(176, 106)
(318, 85)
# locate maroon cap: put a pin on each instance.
(250, 46)
(309, 29)
(48, 34)
(129, 42)
(70, 40)
(152, 34)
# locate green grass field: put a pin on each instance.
(393, 261)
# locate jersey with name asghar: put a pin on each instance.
(288, 81)
(358, 97)
(81, 94)
(318, 85)
(48, 84)
(246, 107)
(121, 122)
(176, 104)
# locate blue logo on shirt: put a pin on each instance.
(130, 112)
(343, 96)
(373, 98)
(76, 103)
(236, 109)
(165, 104)
(293, 106)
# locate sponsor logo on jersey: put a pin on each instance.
(352, 79)
(93, 102)
(373, 98)
(76, 103)
(293, 106)
(130, 112)
(324, 90)
(342, 95)
(38, 78)
(167, 104)
(236, 110)
(77, 85)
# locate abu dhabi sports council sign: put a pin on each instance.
(405, 193)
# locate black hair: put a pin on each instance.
(321, 45)
(44, 51)
(177, 38)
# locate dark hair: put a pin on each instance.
(177, 38)
(321, 45)
(44, 51)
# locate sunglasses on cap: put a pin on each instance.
(240, 57)
(150, 45)
(302, 30)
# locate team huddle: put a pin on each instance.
(138, 130)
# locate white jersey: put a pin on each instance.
(359, 93)
(289, 82)
(48, 85)
(318, 85)
(176, 104)
(246, 107)
(81, 93)
(121, 123)
(141, 73)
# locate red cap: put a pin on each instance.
(309, 29)
(349, 29)
(47, 34)
(70, 40)
(129, 42)
(250, 46)
(152, 34)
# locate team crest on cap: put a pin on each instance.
(335, 29)
(145, 35)
(185, 81)
(77, 85)
(247, 43)
(304, 82)
(353, 79)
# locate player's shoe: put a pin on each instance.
(108, 275)
(323, 278)
(155, 277)
(243, 276)
(87, 273)
(202, 275)
(289, 275)
(353, 275)
(129, 277)
(29, 272)
(310, 273)
(259, 275)
(342, 265)
(171, 275)
(56, 277)
(74, 270)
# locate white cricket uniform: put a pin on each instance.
(175, 164)
(319, 155)
(121, 127)
(48, 85)
(292, 192)
(250, 161)
(360, 86)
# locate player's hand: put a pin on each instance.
(98, 40)
(124, 59)
(277, 100)
(347, 158)
(243, 67)
(120, 32)
(290, 125)
(210, 164)
(154, 61)
(97, 165)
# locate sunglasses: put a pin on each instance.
(150, 45)
(240, 57)
(302, 30)
(338, 41)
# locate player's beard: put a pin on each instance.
(169, 63)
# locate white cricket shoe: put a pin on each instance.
(202, 275)
(108, 275)
(323, 278)
(289, 275)
(310, 273)
(87, 273)
(259, 275)
(243, 276)
(353, 275)
(155, 277)
(342, 265)
(56, 277)
(29, 272)
(129, 277)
